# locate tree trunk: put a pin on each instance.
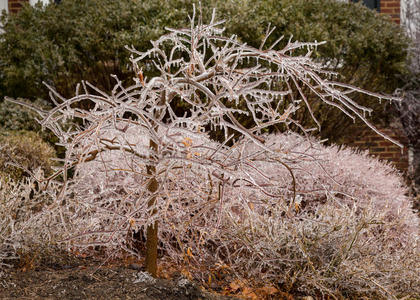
(416, 168)
(152, 229)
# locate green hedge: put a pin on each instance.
(78, 39)
(365, 48)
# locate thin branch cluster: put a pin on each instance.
(280, 208)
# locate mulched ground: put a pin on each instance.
(87, 279)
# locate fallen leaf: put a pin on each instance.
(234, 286)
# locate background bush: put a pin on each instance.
(17, 117)
(63, 44)
(27, 149)
(366, 49)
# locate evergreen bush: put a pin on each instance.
(23, 151)
(63, 44)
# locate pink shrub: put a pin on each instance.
(350, 227)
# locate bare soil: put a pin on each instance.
(87, 279)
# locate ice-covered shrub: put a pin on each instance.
(349, 232)
(275, 207)
(25, 222)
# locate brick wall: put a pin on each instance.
(367, 139)
(391, 8)
(16, 5)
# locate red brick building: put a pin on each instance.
(391, 8)
(386, 7)
(366, 138)
(15, 5)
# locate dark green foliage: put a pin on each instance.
(366, 49)
(76, 40)
(13, 117)
(79, 39)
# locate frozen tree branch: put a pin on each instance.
(139, 163)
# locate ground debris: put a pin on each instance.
(92, 281)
